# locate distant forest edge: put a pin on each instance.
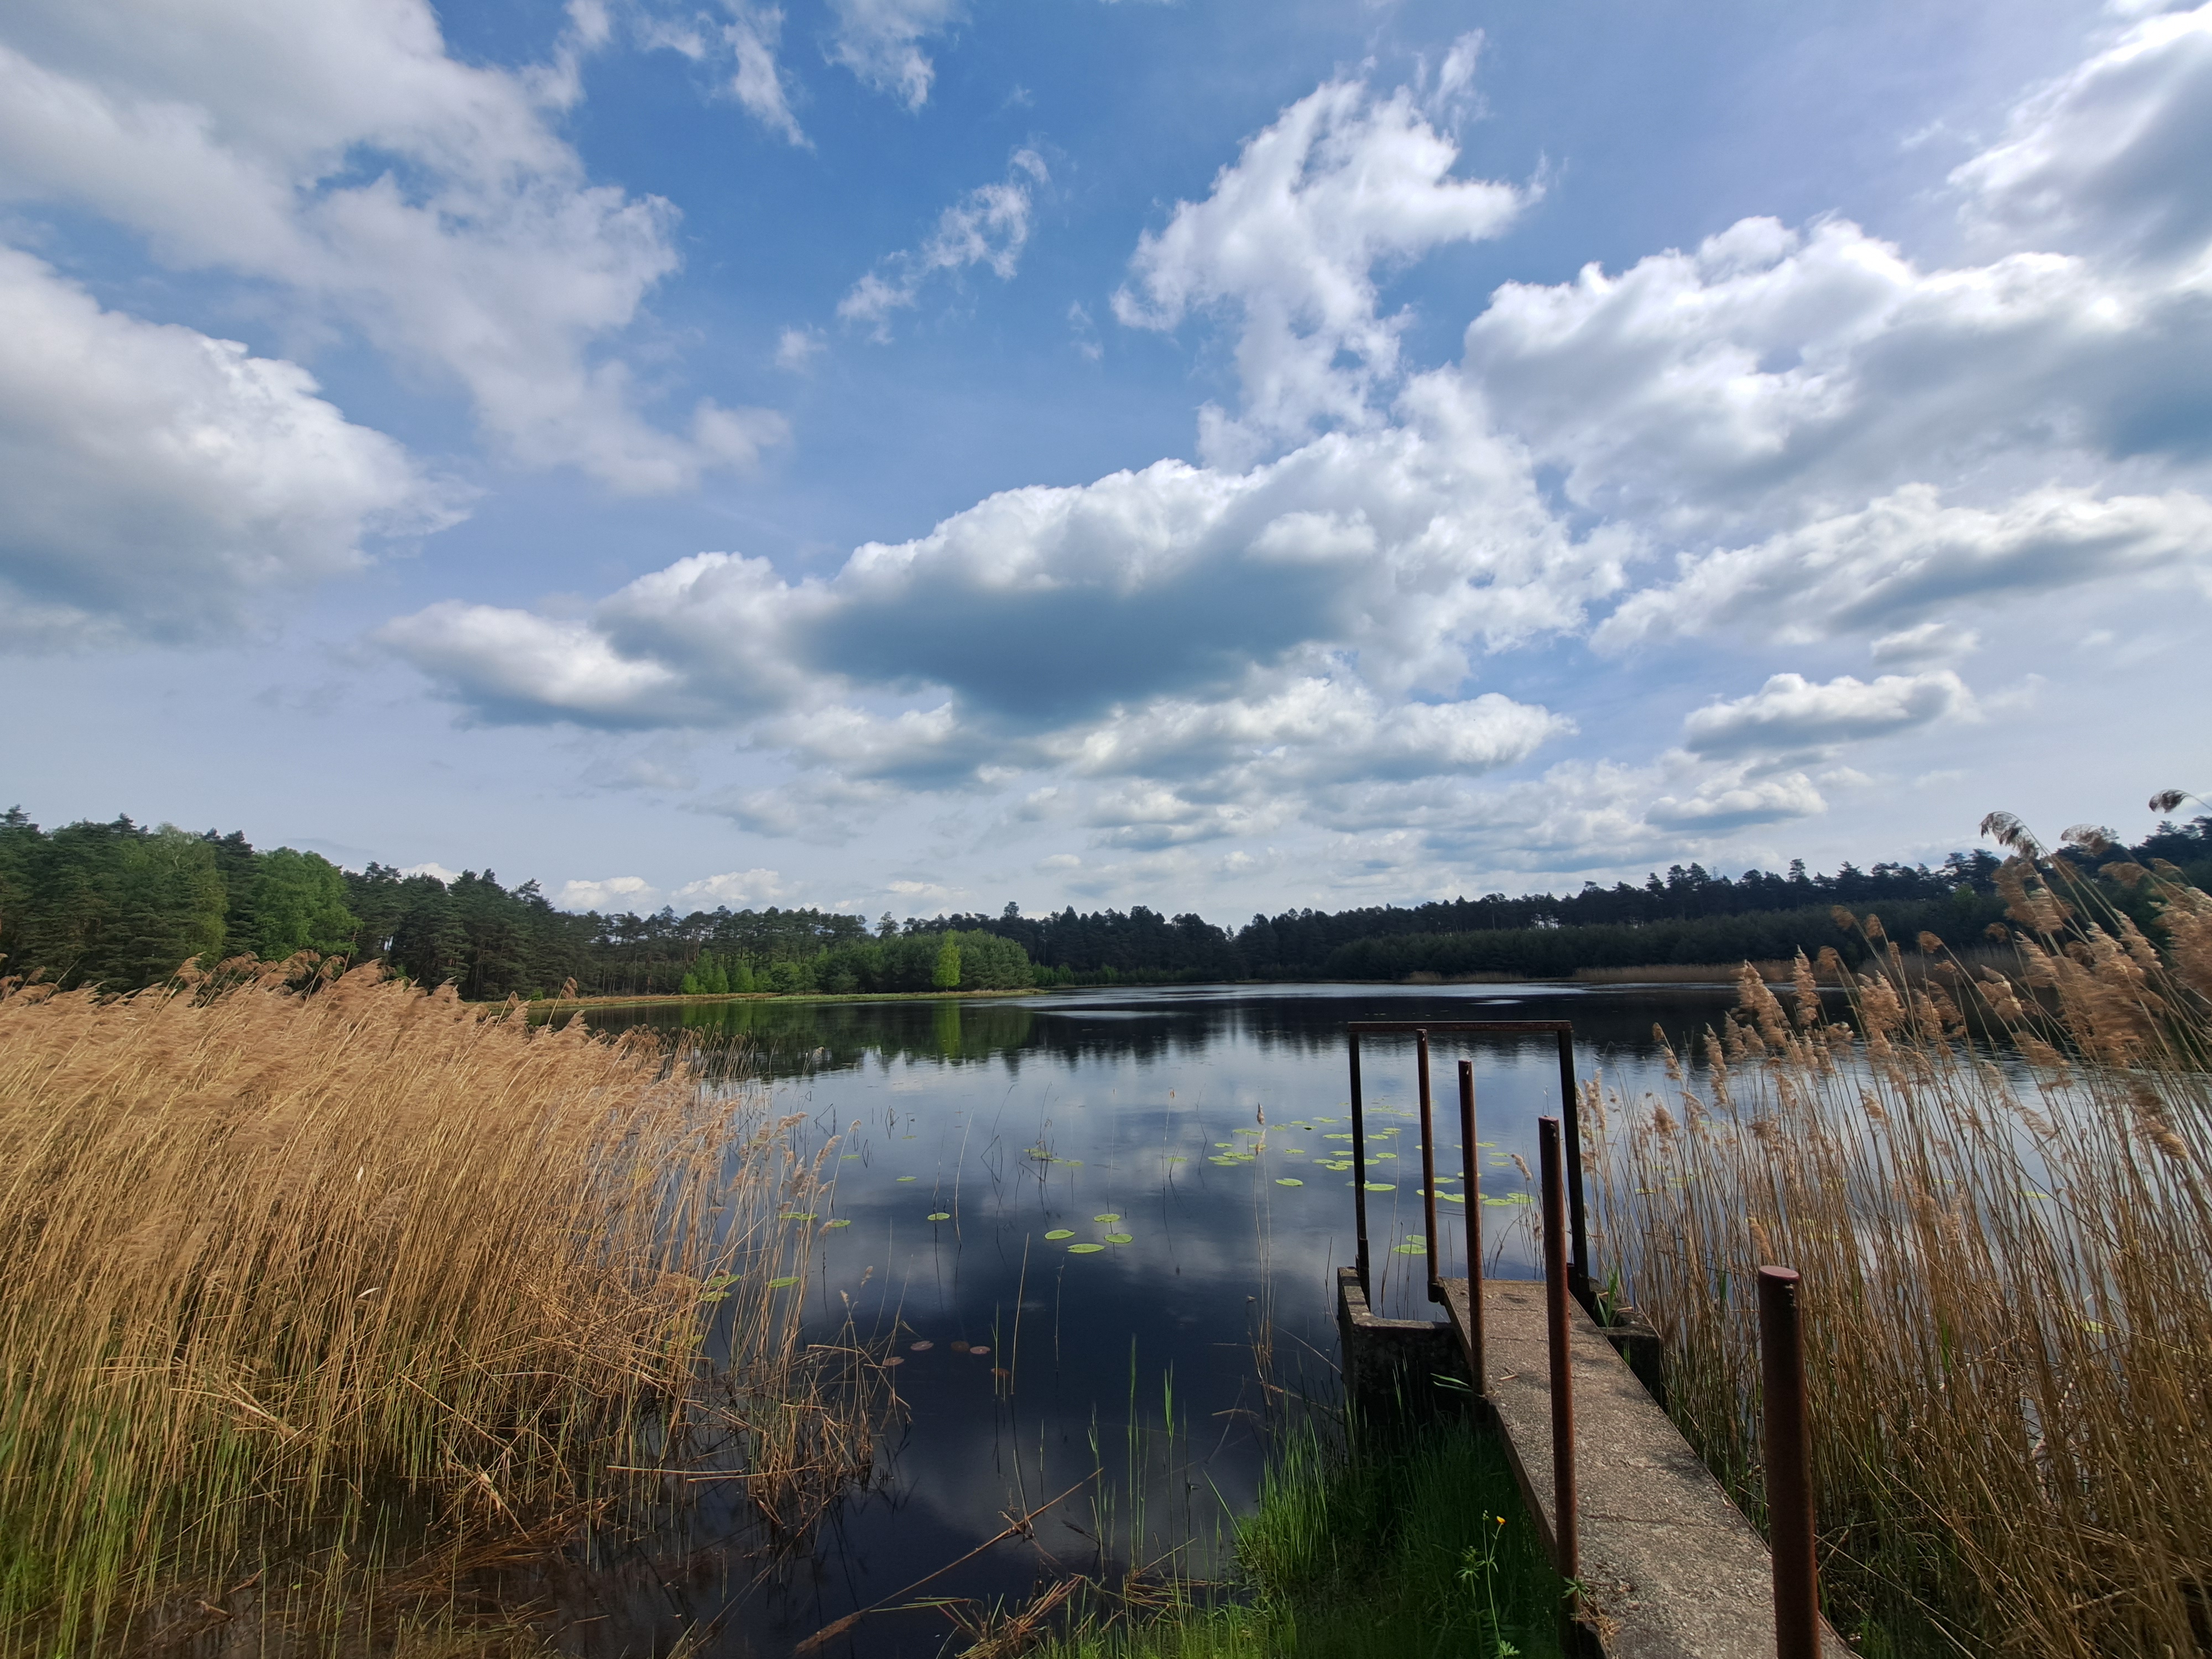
(120, 906)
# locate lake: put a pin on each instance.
(1097, 1230)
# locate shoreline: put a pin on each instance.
(1708, 974)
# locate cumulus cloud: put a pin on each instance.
(988, 227)
(614, 893)
(1791, 714)
(163, 485)
(738, 889)
(340, 152)
(1290, 242)
(1787, 435)
(1579, 814)
(2112, 157)
(880, 41)
(1906, 555)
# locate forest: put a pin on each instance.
(119, 906)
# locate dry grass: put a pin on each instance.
(306, 1296)
(2005, 1244)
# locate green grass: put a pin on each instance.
(1411, 1547)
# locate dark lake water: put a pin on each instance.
(1177, 1138)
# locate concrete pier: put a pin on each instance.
(1670, 1569)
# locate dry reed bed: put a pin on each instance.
(359, 1276)
(2005, 1247)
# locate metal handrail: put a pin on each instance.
(1570, 1113)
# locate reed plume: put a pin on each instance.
(1998, 1187)
(356, 1273)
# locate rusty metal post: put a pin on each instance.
(1359, 1181)
(1788, 1468)
(1571, 1108)
(1566, 1534)
(1471, 1190)
(1428, 1163)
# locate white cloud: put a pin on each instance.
(615, 893)
(757, 83)
(989, 226)
(1905, 555)
(1579, 814)
(1290, 241)
(339, 151)
(165, 485)
(880, 41)
(796, 349)
(1924, 642)
(1791, 714)
(738, 889)
(438, 871)
(2110, 158)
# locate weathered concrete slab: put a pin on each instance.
(1390, 1365)
(1671, 1568)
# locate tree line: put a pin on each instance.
(119, 905)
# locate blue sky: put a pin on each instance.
(911, 454)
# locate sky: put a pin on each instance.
(914, 455)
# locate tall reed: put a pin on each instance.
(357, 1273)
(1998, 1187)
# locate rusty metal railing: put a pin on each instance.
(1788, 1468)
(1578, 1270)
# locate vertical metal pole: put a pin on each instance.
(1788, 1468)
(1570, 1105)
(1428, 1163)
(1359, 1176)
(1566, 1534)
(1471, 1190)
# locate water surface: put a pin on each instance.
(1182, 1133)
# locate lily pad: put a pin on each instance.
(1061, 1232)
(938, 1215)
(909, 1177)
(960, 1347)
(1085, 1249)
(1453, 1197)
(801, 1215)
(1119, 1238)
(1381, 1186)
(922, 1346)
(783, 1283)
(1288, 1180)
(1510, 1199)
(840, 1222)
(1110, 1215)
(1409, 1249)
(979, 1347)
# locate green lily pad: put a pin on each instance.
(1119, 1238)
(1453, 1197)
(938, 1215)
(909, 1177)
(1409, 1249)
(800, 1215)
(1381, 1186)
(782, 1284)
(1061, 1232)
(1288, 1180)
(1510, 1199)
(1110, 1215)
(1085, 1249)
(839, 1223)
